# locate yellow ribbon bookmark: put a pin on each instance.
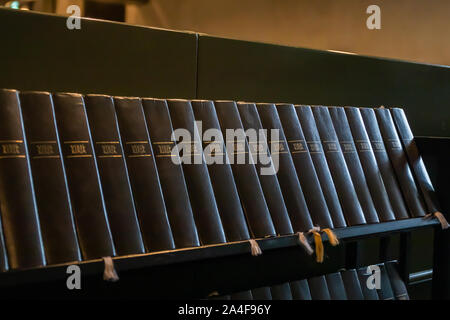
(334, 241)
(319, 246)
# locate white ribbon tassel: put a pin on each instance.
(109, 274)
(256, 250)
(304, 242)
(438, 215)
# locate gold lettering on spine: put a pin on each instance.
(10, 149)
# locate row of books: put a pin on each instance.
(85, 177)
(348, 284)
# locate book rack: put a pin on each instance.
(204, 67)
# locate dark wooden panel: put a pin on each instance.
(231, 69)
(38, 52)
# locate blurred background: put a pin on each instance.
(413, 30)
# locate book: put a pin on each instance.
(245, 175)
(171, 176)
(304, 166)
(319, 288)
(281, 291)
(49, 179)
(415, 160)
(397, 284)
(352, 285)
(243, 295)
(225, 190)
(22, 235)
(314, 145)
(300, 290)
(374, 174)
(400, 163)
(94, 236)
(384, 163)
(299, 211)
(354, 166)
(385, 292)
(261, 156)
(336, 286)
(339, 171)
(117, 195)
(203, 202)
(144, 179)
(262, 293)
(368, 293)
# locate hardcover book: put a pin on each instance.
(269, 182)
(314, 145)
(319, 288)
(176, 196)
(400, 163)
(49, 179)
(299, 211)
(415, 160)
(355, 169)
(300, 290)
(384, 163)
(225, 190)
(339, 171)
(245, 175)
(305, 170)
(117, 194)
(375, 175)
(204, 206)
(94, 235)
(22, 235)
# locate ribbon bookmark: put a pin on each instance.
(256, 250)
(438, 215)
(319, 246)
(304, 242)
(334, 241)
(109, 274)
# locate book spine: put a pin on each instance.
(291, 187)
(269, 182)
(113, 175)
(221, 174)
(3, 256)
(306, 172)
(352, 285)
(398, 286)
(245, 175)
(143, 174)
(94, 235)
(336, 286)
(243, 295)
(173, 185)
(314, 145)
(385, 292)
(201, 194)
(400, 163)
(281, 291)
(262, 293)
(384, 164)
(354, 166)
(374, 174)
(21, 227)
(338, 168)
(363, 276)
(415, 160)
(49, 179)
(319, 288)
(300, 290)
